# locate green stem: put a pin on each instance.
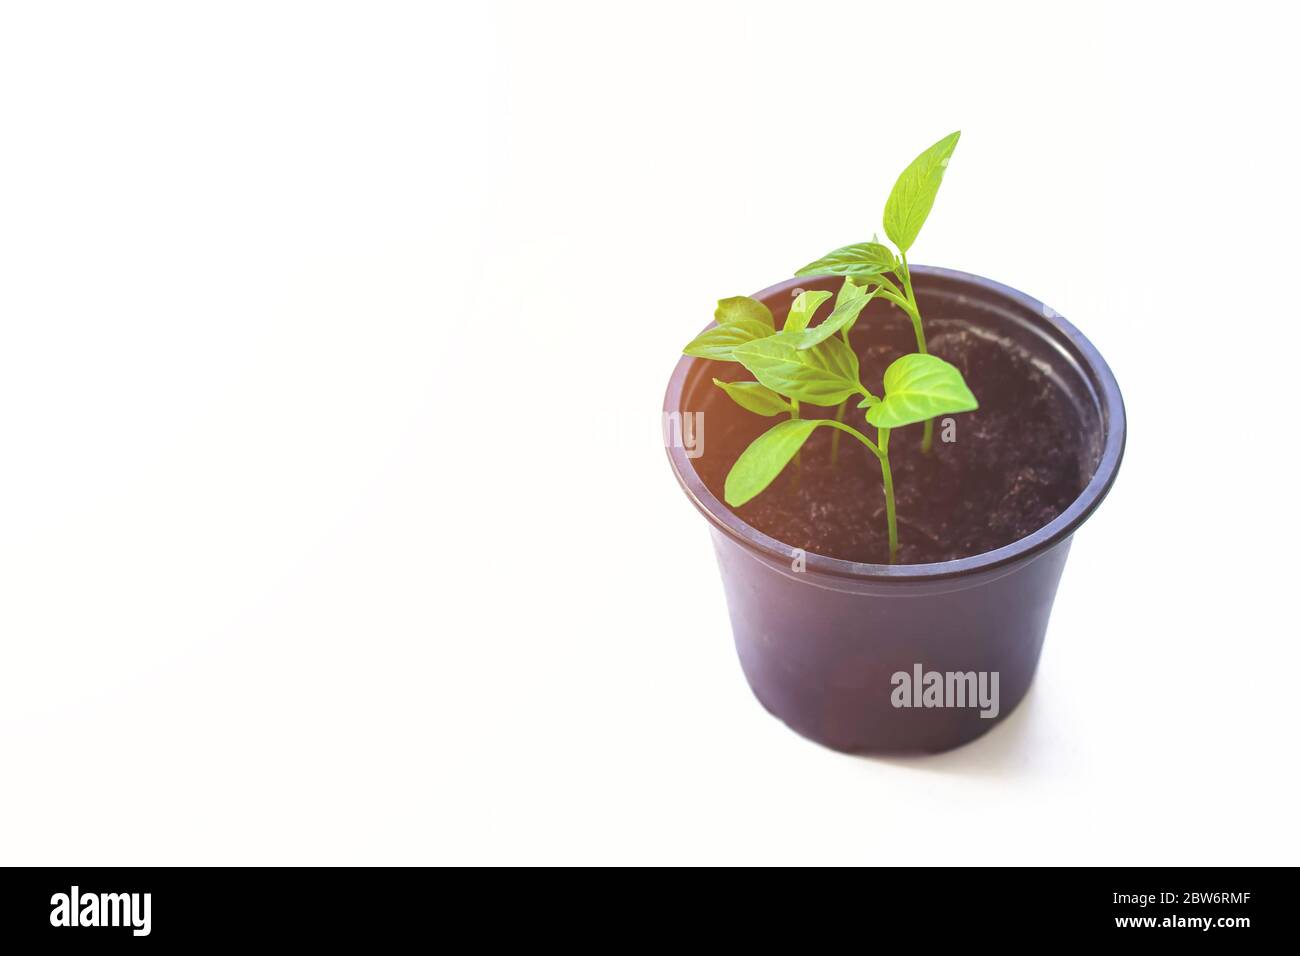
(913, 310)
(927, 436)
(835, 436)
(882, 435)
(850, 430)
(907, 278)
(882, 455)
(886, 284)
(912, 314)
(798, 456)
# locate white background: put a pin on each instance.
(335, 524)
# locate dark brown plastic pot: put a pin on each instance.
(819, 646)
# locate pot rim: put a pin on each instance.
(1082, 352)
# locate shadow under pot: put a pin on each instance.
(930, 653)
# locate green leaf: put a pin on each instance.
(918, 387)
(763, 460)
(861, 259)
(718, 343)
(742, 308)
(846, 313)
(913, 195)
(802, 310)
(755, 397)
(826, 374)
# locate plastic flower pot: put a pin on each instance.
(820, 639)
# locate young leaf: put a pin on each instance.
(742, 308)
(763, 460)
(826, 374)
(802, 310)
(919, 387)
(913, 195)
(846, 313)
(718, 343)
(860, 260)
(755, 397)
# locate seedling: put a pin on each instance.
(917, 387)
(814, 365)
(871, 264)
(803, 363)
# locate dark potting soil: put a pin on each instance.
(1010, 467)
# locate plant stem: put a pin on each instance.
(835, 436)
(881, 452)
(798, 456)
(913, 310)
(882, 435)
(912, 314)
(886, 284)
(839, 412)
(927, 437)
(849, 429)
